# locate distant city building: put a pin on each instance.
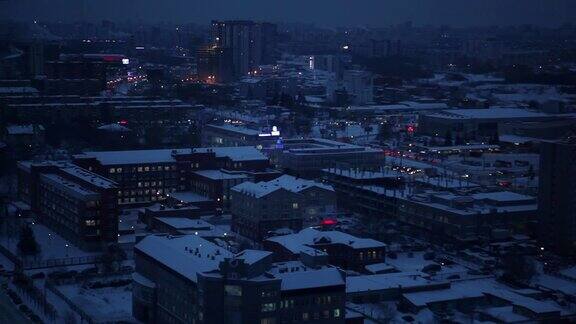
(329, 63)
(82, 74)
(130, 111)
(230, 135)
(359, 86)
(557, 199)
(79, 205)
(24, 139)
(307, 157)
(251, 43)
(476, 123)
(214, 64)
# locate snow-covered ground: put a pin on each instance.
(386, 312)
(102, 304)
(52, 245)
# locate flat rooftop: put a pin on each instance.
(492, 113)
(72, 188)
(240, 153)
(304, 240)
(187, 255)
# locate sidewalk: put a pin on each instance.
(8, 311)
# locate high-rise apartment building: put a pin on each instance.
(251, 43)
(557, 197)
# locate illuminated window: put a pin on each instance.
(337, 313)
(294, 205)
(90, 222)
(112, 170)
(305, 316)
(267, 293)
(232, 290)
(268, 307)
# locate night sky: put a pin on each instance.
(374, 13)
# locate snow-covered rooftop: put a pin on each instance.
(493, 113)
(325, 277)
(221, 174)
(240, 153)
(72, 188)
(252, 256)
(285, 182)
(309, 237)
(114, 128)
(236, 129)
(189, 196)
(184, 223)
(356, 284)
(479, 288)
(22, 129)
(186, 255)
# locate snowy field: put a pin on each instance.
(102, 304)
(52, 245)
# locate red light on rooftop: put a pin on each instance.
(328, 222)
(123, 122)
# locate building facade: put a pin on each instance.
(307, 157)
(251, 43)
(146, 176)
(79, 205)
(186, 279)
(343, 250)
(258, 209)
(557, 199)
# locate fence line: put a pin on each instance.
(83, 315)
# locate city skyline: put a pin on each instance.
(369, 13)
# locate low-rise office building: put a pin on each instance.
(343, 250)
(186, 279)
(217, 184)
(146, 176)
(476, 123)
(489, 216)
(307, 157)
(231, 135)
(79, 205)
(283, 203)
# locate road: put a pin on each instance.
(8, 311)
